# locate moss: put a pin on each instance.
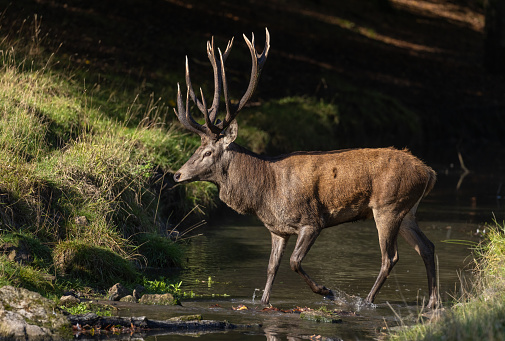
(159, 299)
(196, 317)
(320, 316)
(96, 265)
(42, 312)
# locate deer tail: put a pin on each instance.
(432, 178)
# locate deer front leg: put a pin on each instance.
(306, 237)
(278, 246)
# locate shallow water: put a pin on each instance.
(346, 258)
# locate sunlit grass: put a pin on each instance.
(78, 169)
(480, 312)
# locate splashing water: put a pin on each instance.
(254, 294)
(350, 302)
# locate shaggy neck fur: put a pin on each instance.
(247, 180)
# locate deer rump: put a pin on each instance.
(303, 192)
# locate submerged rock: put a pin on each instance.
(69, 301)
(195, 317)
(26, 315)
(157, 299)
(129, 298)
(320, 316)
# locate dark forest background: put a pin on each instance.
(406, 73)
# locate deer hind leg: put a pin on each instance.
(410, 231)
(388, 225)
(278, 247)
(306, 237)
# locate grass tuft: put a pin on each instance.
(480, 312)
(159, 251)
(95, 265)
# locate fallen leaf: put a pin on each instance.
(240, 307)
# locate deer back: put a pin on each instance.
(324, 188)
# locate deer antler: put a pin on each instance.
(210, 128)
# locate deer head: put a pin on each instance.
(216, 136)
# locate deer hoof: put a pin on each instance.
(329, 294)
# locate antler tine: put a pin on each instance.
(190, 87)
(257, 65)
(209, 127)
(183, 114)
(227, 51)
(217, 80)
(205, 113)
(217, 66)
(222, 58)
(258, 60)
(225, 91)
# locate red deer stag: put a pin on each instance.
(304, 192)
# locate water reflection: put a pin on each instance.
(344, 258)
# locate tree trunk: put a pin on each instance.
(495, 36)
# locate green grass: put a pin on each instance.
(159, 251)
(78, 170)
(98, 266)
(26, 276)
(89, 307)
(480, 312)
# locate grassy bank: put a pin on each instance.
(83, 168)
(480, 313)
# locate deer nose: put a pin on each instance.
(177, 176)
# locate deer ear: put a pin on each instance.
(230, 133)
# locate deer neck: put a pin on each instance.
(246, 181)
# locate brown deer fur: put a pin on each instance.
(304, 192)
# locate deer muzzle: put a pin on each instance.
(177, 177)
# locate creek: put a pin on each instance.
(227, 267)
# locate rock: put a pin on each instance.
(117, 292)
(129, 298)
(26, 315)
(137, 292)
(81, 220)
(320, 316)
(20, 253)
(69, 301)
(157, 299)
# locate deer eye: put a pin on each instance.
(207, 153)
